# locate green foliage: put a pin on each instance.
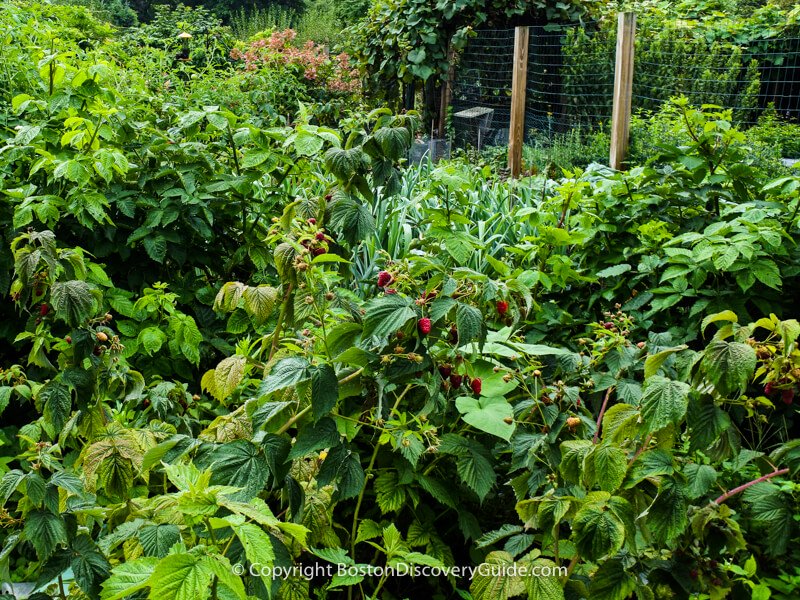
(234, 341)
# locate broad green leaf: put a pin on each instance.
(260, 301)
(324, 390)
(620, 422)
(613, 271)
(725, 315)
(286, 373)
(239, 464)
(541, 586)
(493, 415)
(72, 301)
(181, 577)
(256, 543)
(89, 565)
(469, 322)
(385, 315)
(323, 434)
(56, 402)
(612, 582)
(343, 466)
(655, 361)
(664, 402)
(473, 463)
(729, 366)
(699, 479)
(128, 577)
(597, 531)
(45, 531)
(666, 517)
(156, 540)
(605, 466)
(498, 583)
(227, 376)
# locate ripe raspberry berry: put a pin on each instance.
(445, 371)
(44, 309)
(476, 385)
(146, 403)
(318, 251)
(502, 307)
(768, 389)
(320, 236)
(68, 339)
(424, 325)
(455, 380)
(328, 196)
(312, 221)
(391, 291)
(384, 279)
(787, 396)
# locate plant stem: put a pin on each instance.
(285, 427)
(743, 487)
(293, 420)
(600, 416)
(367, 473)
(276, 335)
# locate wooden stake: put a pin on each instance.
(519, 79)
(447, 90)
(623, 89)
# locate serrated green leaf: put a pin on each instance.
(156, 540)
(597, 531)
(128, 577)
(72, 301)
(324, 390)
(45, 531)
(729, 366)
(180, 577)
(664, 402)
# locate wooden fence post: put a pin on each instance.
(519, 78)
(623, 89)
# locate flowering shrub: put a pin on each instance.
(311, 60)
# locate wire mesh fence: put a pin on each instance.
(481, 100)
(570, 81)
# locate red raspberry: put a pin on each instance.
(328, 196)
(768, 389)
(318, 251)
(502, 307)
(312, 221)
(455, 380)
(146, 403)
(787, 396)
(384, 278)
(445, 371)
(68, 339)
(391, 291)
(320, 236)
(475, 384)
(424, 325)
(44, 309)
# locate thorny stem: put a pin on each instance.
(744, 486)
(600, 416)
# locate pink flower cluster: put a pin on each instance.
(334, 73)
